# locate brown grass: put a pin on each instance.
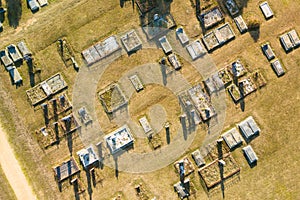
(274, 107)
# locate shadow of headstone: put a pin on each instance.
(183, 125)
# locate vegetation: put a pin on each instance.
(98, 20)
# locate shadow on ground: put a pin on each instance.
(14, 12)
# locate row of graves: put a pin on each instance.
(35, 5)
(218, 165)
(130, 40)
(197, 105)
(224, 33)
(56, 108)
(275, 62)
(290, 40)
(235, 13)
(195, 48)
(113, 100)
(219, 35)
(68, 172)
(266, 47)
(236, 79)
(110, 45)
(12, 57)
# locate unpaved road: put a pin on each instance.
(13, 171)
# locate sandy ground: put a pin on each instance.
(13, 171)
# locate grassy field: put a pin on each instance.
(7, 192)
(276, 107)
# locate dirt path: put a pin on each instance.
(13, 171)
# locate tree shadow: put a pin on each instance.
(148, 8)
(255, 33)
(242, 4)
(14, 12)
(2, 16)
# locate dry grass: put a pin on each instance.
(6, 190)
(275, 176)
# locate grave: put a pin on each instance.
(196, 155)
(277, 67)
(136, 82)
(46, 137)
(131, 41)
(268, 51)
(112, 98)
(232, 138)
(237, 69)
(202, 102)
(66, 170)
(234, 93)
(47, 88)
(225, 76)
(211, 17)
(14, 53)
(210, 41)
(240, 23)
(249, 128)
(210, 174)
(188, 167)
(43, 2)
(286, 42)
(165, 45)
(101, 50)
(172, 58)
(294, 38)
(232, 7)
(23, 49)
(266, 10)
(218, 37)
(183, 38)
(15, 76)
(247, 86)
(33, 5)
(195, 49)
(146, 125)
(183, 189)
(6, 61)
(145, 6)
(224, 34)
(119, 140)
(69, 124)
(159, 25)
(84, 116)
(88, 157)
(250, 155)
